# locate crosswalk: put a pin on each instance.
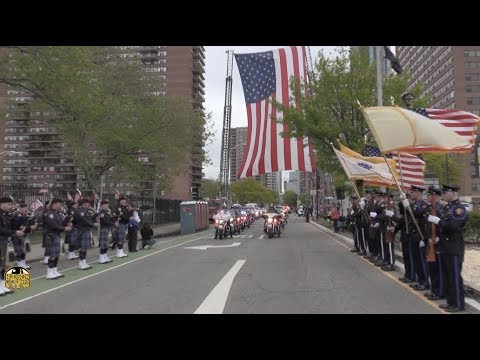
(242, 236)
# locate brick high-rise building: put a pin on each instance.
(40, 160)
(451, 75)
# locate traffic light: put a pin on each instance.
(195, 194)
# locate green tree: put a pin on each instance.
(250, 190)
(438, 167)
(290, 198)
(304, 199)
(331, 110)
(210, 188)
(106, 112)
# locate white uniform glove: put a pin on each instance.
(437, 239)
(373, 215)
(422, 244)
(362, 203)
(352, 212)
(389, 213)
(434, 219)
(405, 202)
(377, 225)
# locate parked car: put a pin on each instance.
(300, 211)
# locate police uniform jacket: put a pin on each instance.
(453, 218)
(83, 219)
(53, 222)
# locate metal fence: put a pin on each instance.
(156, 211)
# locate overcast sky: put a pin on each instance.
(215, 74)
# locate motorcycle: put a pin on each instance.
(272, 225)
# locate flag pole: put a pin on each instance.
(401, 183)
(404, 197)
(379, 76)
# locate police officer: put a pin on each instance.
(84, 223)
(435, 269)
(408, 98)
(71, 238)
(107, 221)
(378, 227)
(407, 250)
(451, 246)
(53, 224)
(389, 213)
(21, 220)
(46, 254)
(6, 231)
(370, 207)
(123, 220)
(420, 209)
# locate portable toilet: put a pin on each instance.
(188, 213)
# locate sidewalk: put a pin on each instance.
(348, 237)
(159, 231)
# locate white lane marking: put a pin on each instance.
(97, 273)
(205, 247)
(261, 237)
(216, 300)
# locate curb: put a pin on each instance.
(472, 295)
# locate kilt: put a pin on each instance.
(103, 243)
(122, 232)
(19, 244)
(73, 241)
(85, 239)
(53, 244)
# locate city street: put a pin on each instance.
(306, 270)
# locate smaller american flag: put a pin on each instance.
(410, 167)
(36, 205)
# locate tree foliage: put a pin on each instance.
(106, 111)
(210, 188)
(250, 190)
(290, 198)
(331, 110)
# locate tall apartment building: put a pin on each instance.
(451, 76)
(238, 142)
(39, 159)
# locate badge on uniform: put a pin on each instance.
(51, 216)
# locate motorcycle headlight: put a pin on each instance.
(221, 221)
(231, 219)
(270, 220)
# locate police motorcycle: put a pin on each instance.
(237, 223)
(224, 222)
(272, 224)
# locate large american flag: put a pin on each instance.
(265, 76)
(462, 122)
(410, 167)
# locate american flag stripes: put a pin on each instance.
(410, 167)
(266, 76)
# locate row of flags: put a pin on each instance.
(399, 133)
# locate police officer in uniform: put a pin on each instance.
(370, 207)
(71, 237)
(6, 231)
(378, 220)
(107, 221)
(435, 269)
(21, 220)
(46, 253)
(356, 217)
(84, 223)
(123, 220)
(421, 209)
(451, 246)
(407, 250)
(53, 224)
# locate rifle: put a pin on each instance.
(431, 249)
